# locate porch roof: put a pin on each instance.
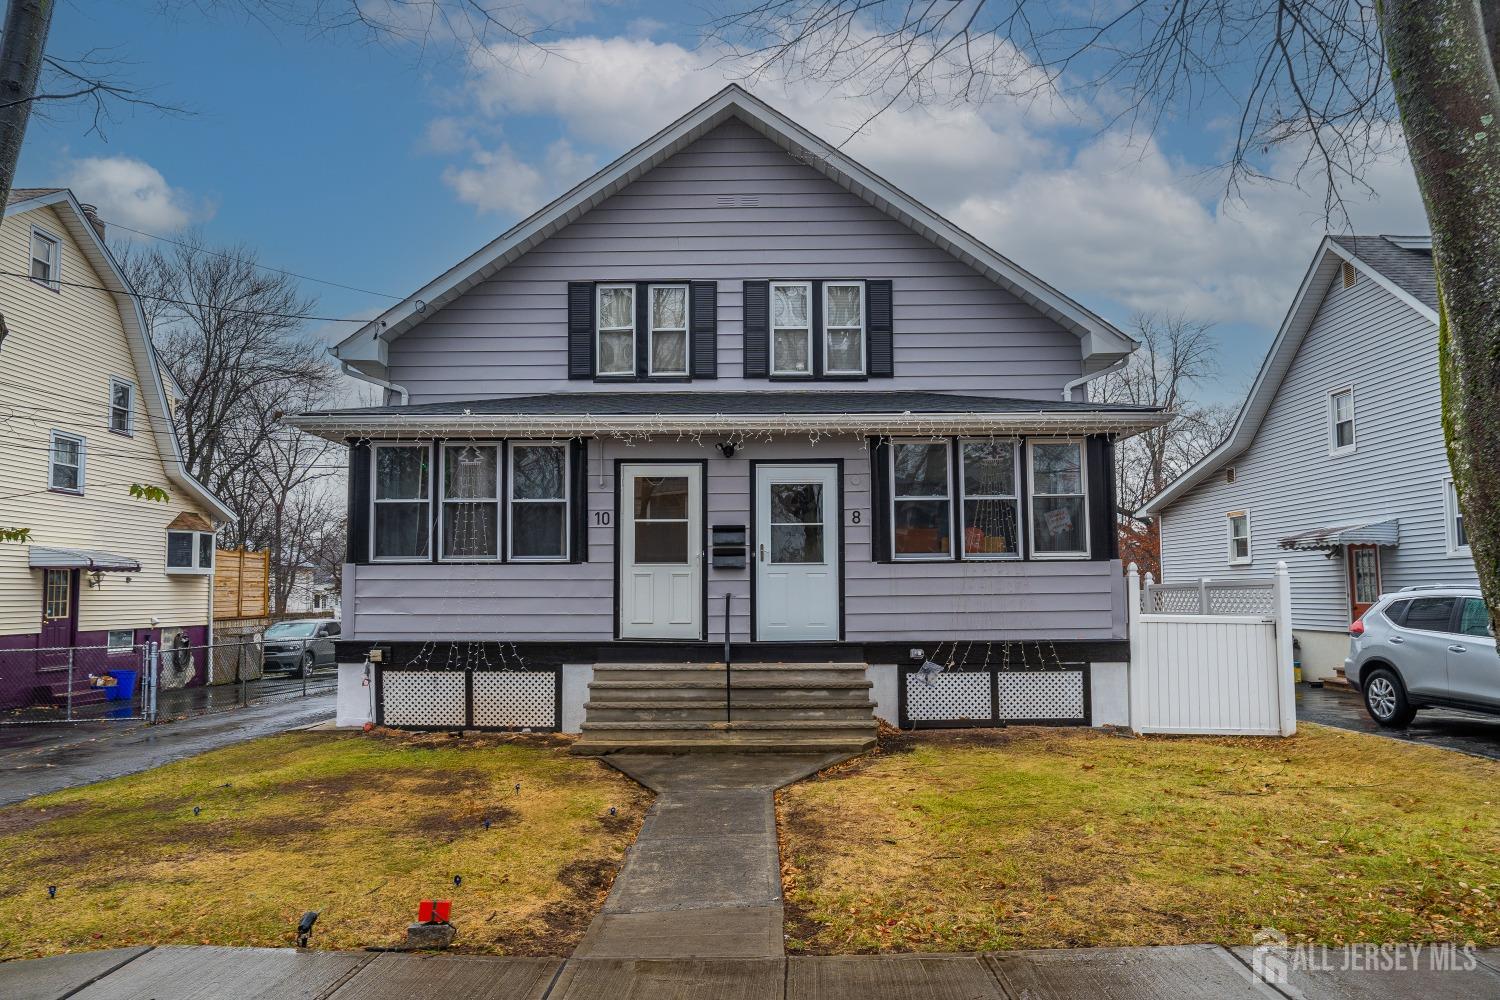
(93, 560)
(1386, 532)
(862, 411)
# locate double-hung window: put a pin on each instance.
(1239, 538)
(615, 349)
(1458, 537)
(1059, 500)
(844, 328)
(538, 502)
(669, 330)
(470, 526)
(65, 469)
(45, 263)
(921, 498)
(992, 499)
(401, 498)
(1341, 421)
(791, 328)
(121, 396)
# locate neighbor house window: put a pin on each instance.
(1458, 538)
(538, 502)
(190, 552)
(921, 494)
(1239, 538)
(791, 328)
(669, 333)
(471, 501)
(65, 470)
(121, 395)
(1059, 500)
(1340, 421)
(616, 330)
(401, 498)
(45, 267)
(120, 640)
(991, 498)
(844, 328)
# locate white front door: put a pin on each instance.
(796, 553)
(661, 551)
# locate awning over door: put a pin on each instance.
(87, 559)
(1387, 532)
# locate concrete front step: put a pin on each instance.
(598, 746)
(714, 673)
(737, 683)
(713, 711)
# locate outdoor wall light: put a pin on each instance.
(727, 448)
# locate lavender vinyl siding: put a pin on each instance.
(734, 206)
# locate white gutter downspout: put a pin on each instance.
(382, 383)
(1068, 387)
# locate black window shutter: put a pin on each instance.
(1103, 543)
(578, 512)
(358, 542)
(882, 360)
(757, 329)
(580, 329)
(816, 333)
(880, 499)
(642, 330)
(703, 328)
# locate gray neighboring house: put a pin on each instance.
(1336, 462)
(735, 362)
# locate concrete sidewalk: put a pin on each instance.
(1190, 972)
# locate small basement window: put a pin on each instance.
(190, 552)
(120, 640)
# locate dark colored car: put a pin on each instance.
(299, 647)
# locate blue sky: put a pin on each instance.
(379, 166)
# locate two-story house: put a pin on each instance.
(735, 380)
(1336, 462)
(85, 415)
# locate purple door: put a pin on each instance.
(59, 617)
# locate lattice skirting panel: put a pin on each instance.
(479, 699)
(958, 698)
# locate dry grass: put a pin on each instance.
(1034, 838)
(358, 826)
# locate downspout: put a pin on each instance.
(382, 383)
(1068, 387)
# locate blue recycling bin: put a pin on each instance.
(124, 689)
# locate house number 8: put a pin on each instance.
(855, 516)
(601, 518)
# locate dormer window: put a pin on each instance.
(45, 265)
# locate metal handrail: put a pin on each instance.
(728, 666)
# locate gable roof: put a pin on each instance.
(1393, 262)
(148, 370)
(365, 349)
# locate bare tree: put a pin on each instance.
(1176, 357)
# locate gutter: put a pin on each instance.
(345, 367)
(1068, 387)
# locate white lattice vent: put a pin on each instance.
(512, 699)
(423, 698)
(1042, 694)
(951, 696)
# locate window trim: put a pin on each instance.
(1451, 514)
(52, 462)
(375, 448)
(1334, 448)
(54, 280)
(651, 330)
(947, 497)
(196, 567)
(772, 328)
(1249, 556)
(443, 500)
(1032, 493)
(963, 498)
(115, 382)
(864, 332)
(600, 329)
(510, 498)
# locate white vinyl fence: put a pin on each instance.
(1212, 656)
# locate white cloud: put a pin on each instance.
(133, 193)
(500, 181)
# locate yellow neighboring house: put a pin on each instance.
(84, 415)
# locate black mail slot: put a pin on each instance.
(729, 546)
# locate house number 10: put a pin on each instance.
(601, 518)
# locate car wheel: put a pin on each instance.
(1385, 699)
(308, 662)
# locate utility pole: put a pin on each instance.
(21, 49)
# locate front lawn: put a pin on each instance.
(1037, 838)
(359, 827)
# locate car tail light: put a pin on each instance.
(1357, 628)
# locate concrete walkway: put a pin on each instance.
(1191, 972)
(703, 878)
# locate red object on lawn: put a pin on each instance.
(434, 911)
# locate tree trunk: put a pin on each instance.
(21, 48)
(1443, 71)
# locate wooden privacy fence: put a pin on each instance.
(242, 584)
(1212, 656)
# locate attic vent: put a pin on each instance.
(1351, 274)
(1230, 475)
(737, 200)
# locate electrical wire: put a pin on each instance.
(265, 313)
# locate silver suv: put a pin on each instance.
(1424, 646)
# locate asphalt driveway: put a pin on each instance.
(1343, 708)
